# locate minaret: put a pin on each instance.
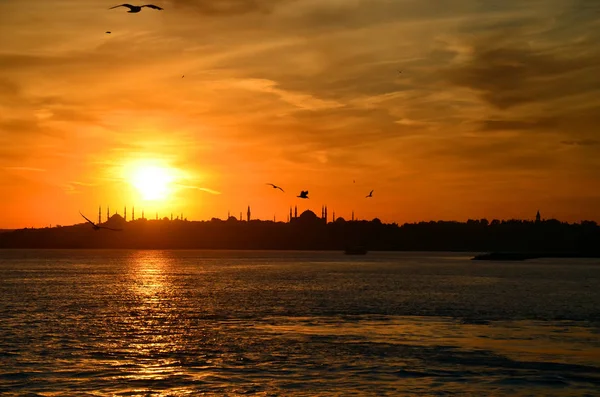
(107, 213)
(325, 214)
(99, 214)
(157, 216)
(322, 212)
(171, 216)
(290, 217)
(353, 215)
(538, 218)
(295, 211)
(181, 216)
(143, 214)
(125, 213)
(248, 214)
(240, 219)
(333, 216)
(133, 213)
(274, 218)
(228, 215)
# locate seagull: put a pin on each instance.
(370, 194)
(108, 32)
(276, 187)
(96, 227)
(303, 194)
(134, 9)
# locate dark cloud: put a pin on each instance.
(508, 77)
(581, 142)
(518, 125)
(576, 124)
(228, 7)
(8, 89)
(496, 155)
(326, 16)
(576, 19)
(345, 127)
(26, 128)
(16, 125)
(536, 61)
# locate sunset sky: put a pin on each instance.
(496, 113)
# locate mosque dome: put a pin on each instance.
(308, 215)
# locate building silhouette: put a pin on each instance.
(538, 217)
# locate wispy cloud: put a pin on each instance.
(581, 142)
(227, 7)
(28, 169)
(204, 189)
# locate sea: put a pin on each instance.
(266, 323)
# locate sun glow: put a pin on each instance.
(153, 182)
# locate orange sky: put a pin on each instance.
(495, 114)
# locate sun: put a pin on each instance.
(152, 182)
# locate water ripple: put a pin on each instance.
(161, 323)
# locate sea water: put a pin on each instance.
(228, 323)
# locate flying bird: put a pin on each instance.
(108, 32)
(370, 194)
(276, 187)
(96, 227)
(303, 194)
(134, 9)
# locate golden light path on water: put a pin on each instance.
(155, 338)
(180, 323)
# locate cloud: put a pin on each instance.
(509, 77)
(581, 142)
(518, 125)
(28, 169)
(74, 187)
(552, 57)
(204, 189)
(228, 7)
(300, 100)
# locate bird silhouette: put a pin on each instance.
(276, 187)
(108, 32)
(370, 194)
(96, 227)
(134, 9)
(303, 194)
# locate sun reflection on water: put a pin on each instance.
(155, 337)
(148, 271)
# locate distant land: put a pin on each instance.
(309, 232)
